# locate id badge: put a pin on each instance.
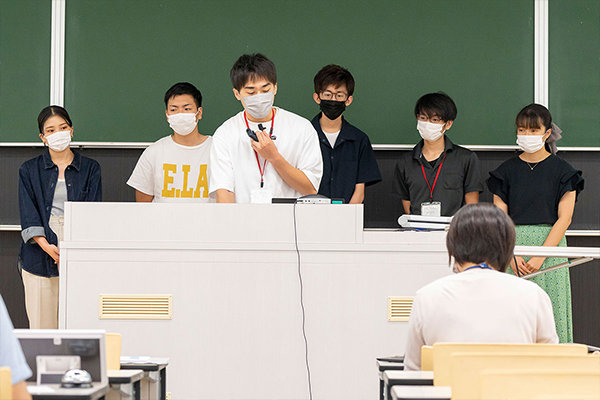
(431, 209)
(261, 196)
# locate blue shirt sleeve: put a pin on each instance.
(95, 183)
(11, 354)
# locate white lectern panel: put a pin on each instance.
(214, 223)
(236, 332)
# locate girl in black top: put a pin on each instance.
(538, 190)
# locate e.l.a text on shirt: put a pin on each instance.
(172, 172)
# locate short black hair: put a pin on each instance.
(334, 75)
(534, 116)
(439, 104)
(183, 88)
(481, 233)
(250, 67)
(50, 111)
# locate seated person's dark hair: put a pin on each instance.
(50, 111)
(334, 75)
(183, 88)
(481, 233)
(249, 67)
(439, 104)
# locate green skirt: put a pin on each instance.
(556, 283)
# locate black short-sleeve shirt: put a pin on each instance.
(349, 162)
(459, 174)
(532, 194)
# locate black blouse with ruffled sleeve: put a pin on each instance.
(532, 191)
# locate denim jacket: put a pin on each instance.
(37, 182)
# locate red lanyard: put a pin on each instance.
(436, 177)
(261, 170)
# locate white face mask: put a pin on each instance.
(429, 130)
(530, 143)
(58, 141)
(259, 105)
(182, 123)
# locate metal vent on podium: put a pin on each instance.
(399, 308)
(133, 306)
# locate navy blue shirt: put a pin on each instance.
(37, 182)
(349, 162)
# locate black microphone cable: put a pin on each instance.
(302, 305)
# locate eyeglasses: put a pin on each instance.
(434, 119)
(339, 96)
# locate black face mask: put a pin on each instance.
(332, 108)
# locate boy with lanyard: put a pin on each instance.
(437, 177)
(263, 151)
(348, 160)
(175, 168)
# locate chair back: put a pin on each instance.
(113, 351)
(467, 368)
(443, 351)
(426, 358)
(5, 383)
(527, 384)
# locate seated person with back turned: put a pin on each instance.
(12, 356)
(348, 160)
(437, 177)
(175, 168)
(480, 303)
(247, 163)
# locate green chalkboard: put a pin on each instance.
(121, 56)
(574, 69)
(24, 67)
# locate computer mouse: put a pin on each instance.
(76, 378)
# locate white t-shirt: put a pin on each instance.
(172, 172)
(332, 137)
(233, 161)
(478, 306)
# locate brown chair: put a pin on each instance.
(5, 384)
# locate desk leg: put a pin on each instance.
(154, 385)
(137, 395)
(163, 384)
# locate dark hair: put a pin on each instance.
(50, 111)
(534, 116)
(334, 75)
(481, 233)
(250, 67)
(439, 104)
(183, 88)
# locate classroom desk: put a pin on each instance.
(55, 392)
(406, 378)
(124, 384)
(154, 382)
(421, 392)
(383, 366)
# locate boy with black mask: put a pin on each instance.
(348, 160)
